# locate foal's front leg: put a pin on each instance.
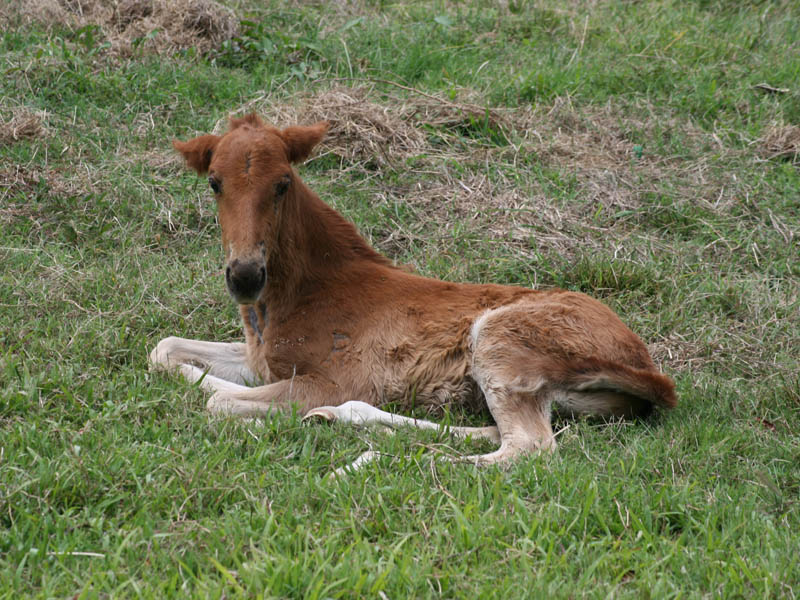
(232, 397)
(226, 361)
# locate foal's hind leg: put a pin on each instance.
(518, 425)
(361, 413)
(516, 394)
(523, 423)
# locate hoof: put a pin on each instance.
(218, 406)
(158, 359)
(155, 362)
(325, 412)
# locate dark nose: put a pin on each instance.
(245, 280)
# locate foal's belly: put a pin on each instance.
(435, 378)
(436, 395)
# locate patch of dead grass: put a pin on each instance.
(371, 128)
(161, 26)
(606, 147)
(22, 123)
(782, 142)
(680, 353)
(25, 181)
(20, 186)
(22, 189)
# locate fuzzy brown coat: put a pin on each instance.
(329, 321)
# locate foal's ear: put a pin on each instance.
(300, 141)
(197, 152)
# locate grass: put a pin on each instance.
(619, 149)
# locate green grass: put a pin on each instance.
(639, 177)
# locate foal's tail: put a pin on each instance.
(608, 388)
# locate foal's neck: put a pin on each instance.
(315, 245)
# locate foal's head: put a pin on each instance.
(250, 174)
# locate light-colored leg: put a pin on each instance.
(359, 463)
(524, 429)
(223, 360)
(361, 413)
(523, 421)
(230, 398)
(516, 394)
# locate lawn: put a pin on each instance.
(646, 153)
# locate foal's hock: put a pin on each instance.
(335, 328)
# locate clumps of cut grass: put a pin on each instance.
(374, 128)
(781, 142)
(27, 182)
(362, 131)
(22, 123)
(130, 11)
(161, 26)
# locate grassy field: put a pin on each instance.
(647, 153)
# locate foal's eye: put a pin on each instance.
(216, 184)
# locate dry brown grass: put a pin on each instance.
(24, 181)
(21, 123)
(19, 186)
(372, 128)
(160, 26)
(781, 141)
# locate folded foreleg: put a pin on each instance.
(223, 360)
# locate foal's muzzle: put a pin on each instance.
(245, 280)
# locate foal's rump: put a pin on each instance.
(571, 350)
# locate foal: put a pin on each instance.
(333, 327)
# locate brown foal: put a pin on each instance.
(336, 329)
